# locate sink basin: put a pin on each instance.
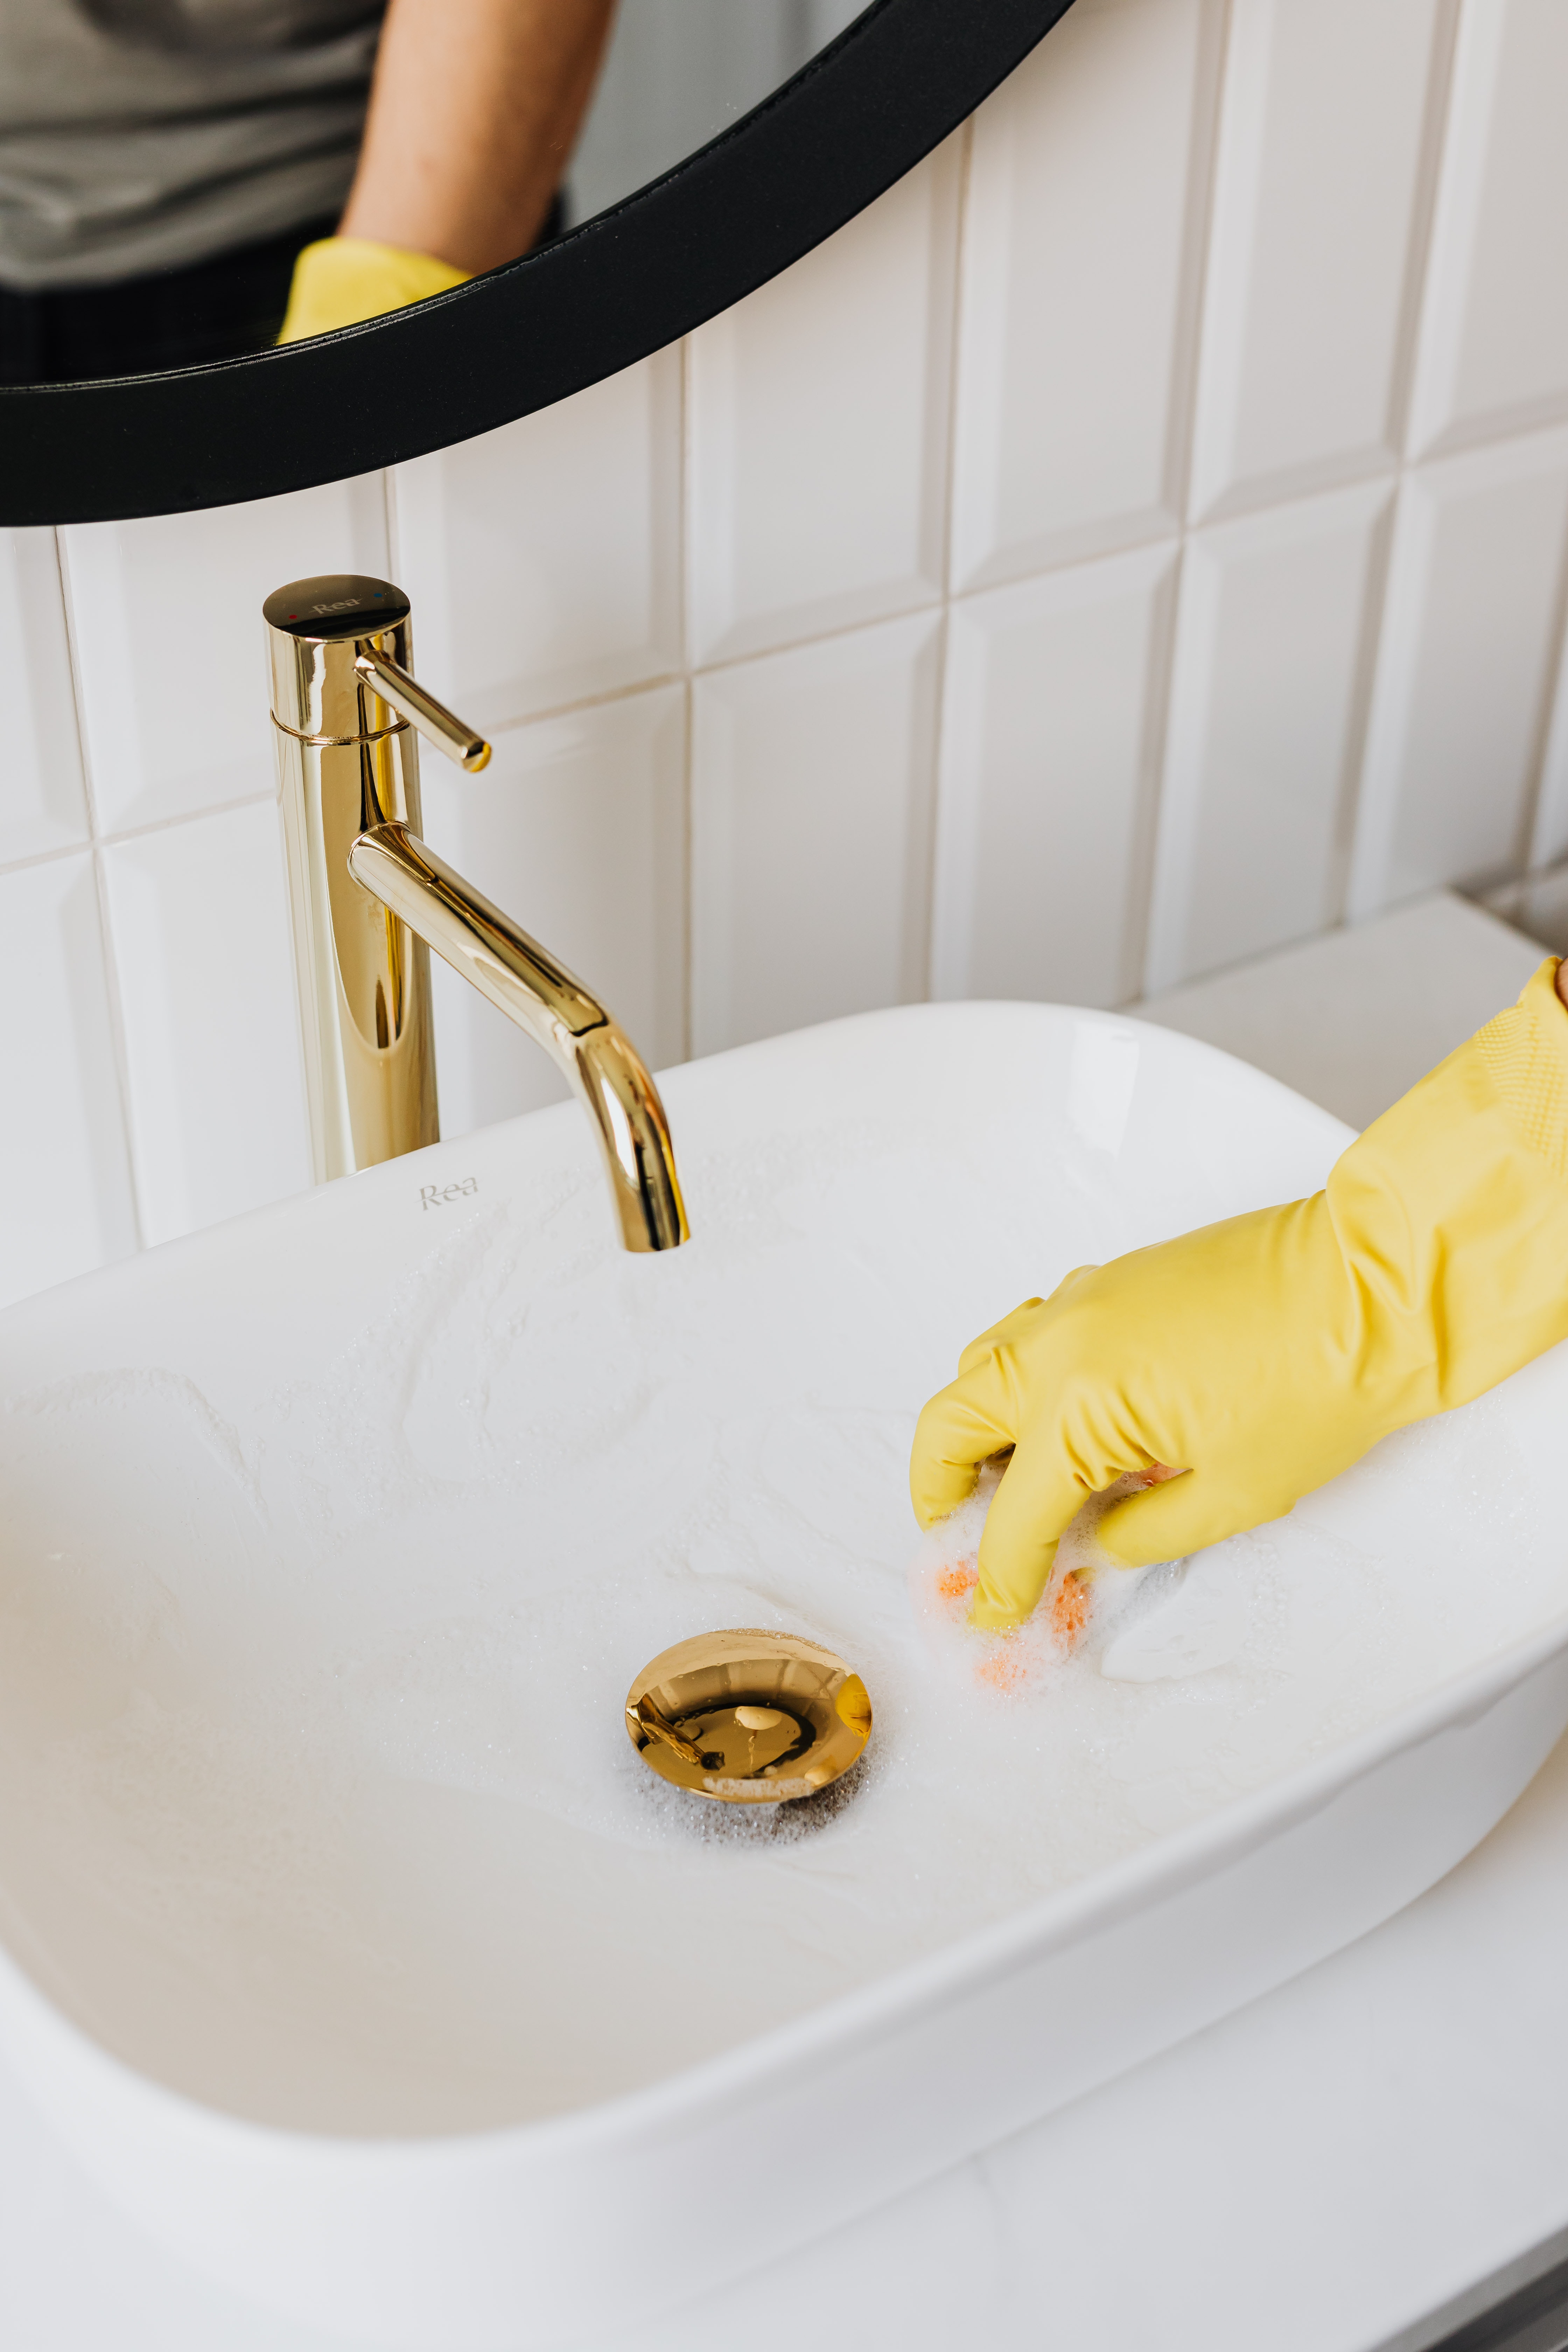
(347, 1940)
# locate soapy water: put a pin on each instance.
(322, 1719)
(1085, 1583)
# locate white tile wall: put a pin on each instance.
(1319, 206)
(42, 803)
(1055, 698)
(199, 918)
(170, 666)
(1265, 725)
(811, 832)
(544, 560)
(63, 1173)
(1083, 261)
(1137, 540)
(1471, 637)
(819, 431)
(1495, 339)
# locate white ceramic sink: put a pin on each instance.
(346, 1939)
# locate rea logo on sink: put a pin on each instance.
(436, 1196)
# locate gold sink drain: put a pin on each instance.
(748, 1717)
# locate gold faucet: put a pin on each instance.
(367, 897)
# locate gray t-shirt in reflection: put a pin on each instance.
(140, 134)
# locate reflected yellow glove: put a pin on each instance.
(1262, 1354)
(341, 280)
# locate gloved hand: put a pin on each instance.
(341, 280)
(1263, 1355)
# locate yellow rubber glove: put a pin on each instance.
(341, 280)
(1265, 1354)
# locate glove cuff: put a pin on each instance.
(1525, 1054)
(340, 281)
(1451, 1215)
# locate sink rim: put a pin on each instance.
(1172, 1861)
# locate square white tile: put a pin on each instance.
(543, 560)
(812, 775)
(1082, 262)
(1051, 718)
(819, 430)
(1268, 705)
(65, 1175)
(1322, 186)
(1467, 670)
(199, 918)
(42, 804)
(1494, 344)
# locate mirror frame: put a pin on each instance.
(628, 282)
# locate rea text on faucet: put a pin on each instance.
(436, 1196)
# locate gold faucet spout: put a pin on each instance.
(525, 982)
(368, 901)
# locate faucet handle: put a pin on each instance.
(422, 710)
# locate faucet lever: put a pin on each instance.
(432, 719)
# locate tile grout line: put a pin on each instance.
(1358, 735)
(96, 840)
(1554, 686)
(606, 700)
(1176, 533)
(1159, 686)
(389, 520)
(957, 278)
(1421, 262)
(1421, 265)
(1399, 471)
(1191, 333)
(659, 679)
(116, 1004)
(1208, 124)
(929, 602)
(688, 699)
(929, 814)
(1420, 257)
(934, 777)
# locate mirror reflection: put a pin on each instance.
(184, 181)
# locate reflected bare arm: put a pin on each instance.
(473, 112)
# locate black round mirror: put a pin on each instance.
(618, 275)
